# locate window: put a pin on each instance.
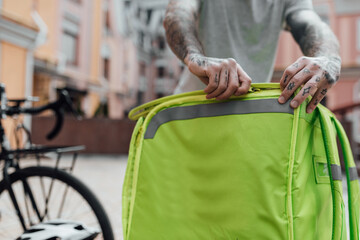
(138, 13)
(106, 68)
(139, 98)
(148, 16)
(161, 72)
(142, 68)
(107, 26)
(141, 39)
(70, 47)
(161, 43)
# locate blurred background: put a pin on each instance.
(111, 55)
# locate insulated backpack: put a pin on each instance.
(243, 168)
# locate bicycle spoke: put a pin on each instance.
(73, 208)
(42, 185)
(26, 205)
(47, 199)
(63, 202)
(30, 195)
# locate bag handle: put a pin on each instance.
(327, 120)
(144, 109)
(352, 180)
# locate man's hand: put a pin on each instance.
(316, 74)
(224, 77)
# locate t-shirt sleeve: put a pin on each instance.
(295, 5)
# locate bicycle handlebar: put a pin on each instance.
(57, 107)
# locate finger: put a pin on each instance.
(291, 71)
(310, 87)
(213, 82)
(205, 80)
(224, 79)
(317, 80)
(296, 81)
(245, 82)
(319, 95)
(232, 85)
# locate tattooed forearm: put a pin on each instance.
(313, 35)
(316, 39)
(180, 25)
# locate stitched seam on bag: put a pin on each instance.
(290, 174)
(323, 125)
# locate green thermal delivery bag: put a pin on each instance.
(244, 168)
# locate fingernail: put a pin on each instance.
(294, 104)
(281, 99)
(209, 97)
(309, 110)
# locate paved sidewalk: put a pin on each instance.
(104, 174)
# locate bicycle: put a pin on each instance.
(44, 199)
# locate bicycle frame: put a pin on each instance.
(4, 155)
(9, 155)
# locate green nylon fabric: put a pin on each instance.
(203, 178)
(329, 133)
(127, 190)
(353, 189)
(244, 176)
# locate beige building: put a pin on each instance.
(110, 55)
(21, 31)
(86, 53)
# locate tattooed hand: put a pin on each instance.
(316, 74)
(224, 77)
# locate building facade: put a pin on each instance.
(87, 53)
(159, 69)
(21, 32)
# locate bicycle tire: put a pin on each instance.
(71, 181)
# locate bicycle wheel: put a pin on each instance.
(57, 194)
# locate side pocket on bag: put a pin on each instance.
(321, 170)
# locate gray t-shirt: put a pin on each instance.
(246, 30)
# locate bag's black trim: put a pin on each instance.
(353, 173)
(336, 172)
(214, 110)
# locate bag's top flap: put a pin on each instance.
(144, 109)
